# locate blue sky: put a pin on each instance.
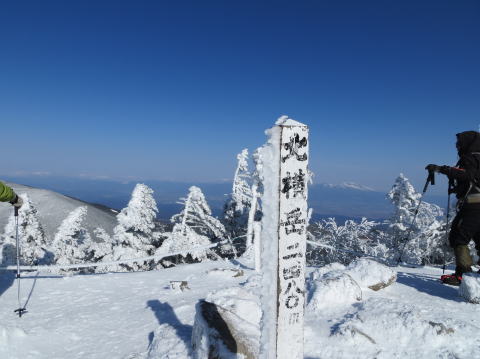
(174, 89)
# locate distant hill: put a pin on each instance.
(53, 208)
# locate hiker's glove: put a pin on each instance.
(17, 202)
(442, 169)
(433, 168)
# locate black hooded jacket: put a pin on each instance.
(467, 169)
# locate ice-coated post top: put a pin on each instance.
(286, 121)
(284, 226)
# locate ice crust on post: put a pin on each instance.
(284, 173)
(268, 166)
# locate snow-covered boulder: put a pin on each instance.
(333, 290)
(470, 288)
(227, 325)
(382, 328)
(320, 272)
(371, 274)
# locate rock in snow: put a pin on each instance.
(470, 288)
(226, 272)
(227, 324)
(371, 274)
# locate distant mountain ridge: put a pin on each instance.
(346, 200)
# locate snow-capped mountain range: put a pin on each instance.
(349, 185)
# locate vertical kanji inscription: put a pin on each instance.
(292, 240)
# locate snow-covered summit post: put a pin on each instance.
(283, 170)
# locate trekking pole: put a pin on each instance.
(430, 180)
(450, 185)
(20, 309)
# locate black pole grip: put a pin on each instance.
(16, 211)
(431, 177)
(430, 180)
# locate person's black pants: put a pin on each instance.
(466, 227)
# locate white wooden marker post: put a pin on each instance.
(292, 239)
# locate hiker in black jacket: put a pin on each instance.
(465, 183)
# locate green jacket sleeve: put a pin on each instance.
(6, 193)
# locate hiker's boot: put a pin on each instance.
(463, 265)
(451, 279)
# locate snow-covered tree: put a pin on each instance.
(255, 212)
(343, 243)
(72, 239)
(425, 240)
(186, 239)
(134, 233)
(99, 249)
(197, 215)
(237, 207)
(253, 215)
(33, 242)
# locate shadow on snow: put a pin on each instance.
(429, 285)
(165, 314)
(6, 280)
(6, 277)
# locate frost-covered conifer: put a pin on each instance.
(425, 240)
(134, 233)
(255, 212)
(33, 242)
(197, 215)
(71, 239)
(186, 239)
(99, 249)
(237, 207)
(101, 236)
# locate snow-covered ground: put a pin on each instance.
(123, 315)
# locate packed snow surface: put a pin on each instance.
(137, 315)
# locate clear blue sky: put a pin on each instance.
(174, 89)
